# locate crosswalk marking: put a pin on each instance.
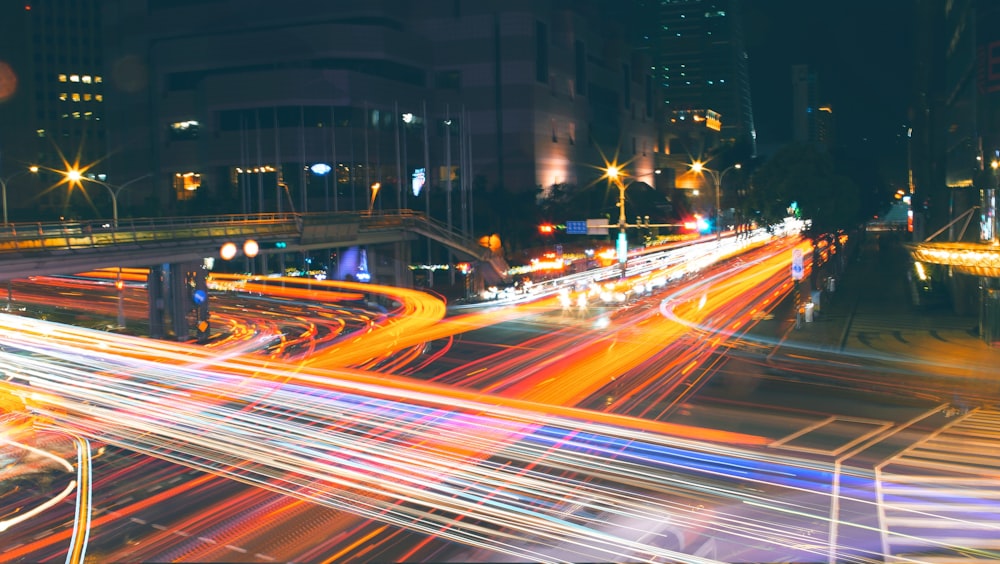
(940, 498)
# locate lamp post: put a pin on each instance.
(615, 174)
(717, 177)
(3, 186)
(74, 175)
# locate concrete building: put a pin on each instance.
(955, 153)
(311, 106)
(52, 104)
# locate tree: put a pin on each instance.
(802, 174)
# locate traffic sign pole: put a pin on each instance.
(797, 271)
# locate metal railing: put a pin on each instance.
(23, 238)
(27, 237)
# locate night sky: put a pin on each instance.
(862, 50)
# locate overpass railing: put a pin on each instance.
(27, 237)
(21, 238)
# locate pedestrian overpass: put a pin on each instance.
(175, 249)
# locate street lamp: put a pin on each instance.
(615, 174)
(75, 176)
(717, 177)
(3, 185)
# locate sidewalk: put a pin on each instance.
(870, 318)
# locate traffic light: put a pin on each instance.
(546, 229)
(280, 245)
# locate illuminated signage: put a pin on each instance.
(419, 178)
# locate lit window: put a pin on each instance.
(186, 184)
(63, 96)
(86, 79)
(62, 78)
(76, 96)
(185, 125)
(99, 97)
(74, 78)
(40, 132)
(87, 97)
(188, 129)
(97, 79)
(76, 115)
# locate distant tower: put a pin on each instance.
(812, 120)
(701, 63)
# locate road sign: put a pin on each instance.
(797, 264)
(576, 227)
(199, 297)
(597, 226)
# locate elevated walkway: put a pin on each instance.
(69, 247)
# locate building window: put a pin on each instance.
(186, 184)
(541, 52)
(75, 96)
(182, 130)
(448, 80)
(627, 87)
(86, 79)
(63, 96)
(572, 133)
(63, 78)
(74, 78)
(581, 68)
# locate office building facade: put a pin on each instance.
(52, 104)
(311, 107)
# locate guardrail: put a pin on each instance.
(27, 237)
(21, 238)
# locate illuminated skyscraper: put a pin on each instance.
(701, 64)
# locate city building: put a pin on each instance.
(52, 103)
(312, 106)
(702, 66)
(955, 153)
(812, 119)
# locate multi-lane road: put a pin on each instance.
(638, 422)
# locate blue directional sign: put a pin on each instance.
(199, 297)
(576, 227)
(797, 270)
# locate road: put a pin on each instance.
(574, 390)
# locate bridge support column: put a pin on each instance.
(989, 314)
(389, 264)
(155, 296)
(183, 280)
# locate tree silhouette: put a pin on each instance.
(810, 178)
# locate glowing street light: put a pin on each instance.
(717, 177)
(3, 185)
(74, 176)
(614, 173)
